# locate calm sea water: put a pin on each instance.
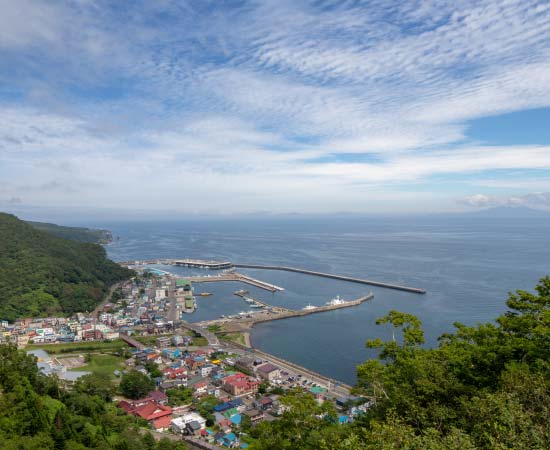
(467, 265)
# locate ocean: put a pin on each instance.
(467, 264)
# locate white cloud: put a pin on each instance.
(277, 104)
(535, 200)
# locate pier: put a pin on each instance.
(234, 276)
(333, 276)
(244, 294)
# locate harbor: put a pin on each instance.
(228, 266)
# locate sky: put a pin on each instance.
(273, 106)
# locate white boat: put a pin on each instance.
(336, 301)
(256, 306)
(248, 299)
(309, 306)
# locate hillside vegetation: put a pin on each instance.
(75, 233)
(42, 274)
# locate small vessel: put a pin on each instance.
(336, 301)
(205, 294)
(309, 306)
(248, 299)
(222, 316)
(256, 306)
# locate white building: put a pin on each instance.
(178, 425)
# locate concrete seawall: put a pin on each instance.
(333, 276)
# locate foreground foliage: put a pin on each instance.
(483, 387)
(41, 274)
(36, 413)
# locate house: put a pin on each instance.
(159, 397)
(200, 388)
(264, 403)
(162, 423)
(244, 363)
(206, 370)
(268, 372)
(235, 403)
(179, 424)
(163, 342)
(152, 411)
(318, 392)
(193, 428)
(240, 384)
(172, 384)
(213, 390)
(255, 415)
(229, 440)
(175, 373)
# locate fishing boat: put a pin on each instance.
(309, 306)
(336, 301)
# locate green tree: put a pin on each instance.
(135, 385)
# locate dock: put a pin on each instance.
(234, 276)
(244, 294)
(333, 276)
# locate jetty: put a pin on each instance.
(277, 313)
(333, 276)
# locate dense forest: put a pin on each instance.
(42, 274)
(80, 234)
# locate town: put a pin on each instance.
(205, 390)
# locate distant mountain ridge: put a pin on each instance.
(42, 274)
(75, 233)
(510, 212)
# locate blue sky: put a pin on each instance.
(281, 106)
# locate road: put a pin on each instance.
(334, 388)
(99, 307)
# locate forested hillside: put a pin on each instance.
(36, 413)
(75, 233)
(42, 274)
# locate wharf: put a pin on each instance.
(244, 294)
(234, 276)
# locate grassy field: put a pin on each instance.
(233, 337)
(103, 364)
(72, 347)
(200, 341)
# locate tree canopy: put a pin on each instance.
(42, 274)
(135, 384)
(36, 413)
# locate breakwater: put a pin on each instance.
(216, 265)
(333, 276)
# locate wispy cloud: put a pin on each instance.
(283, 105)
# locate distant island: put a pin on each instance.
(42, 273)
(95, 236)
